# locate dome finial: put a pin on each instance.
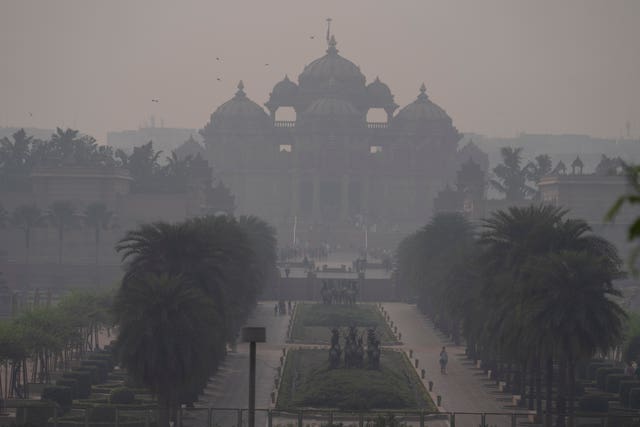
(423, 93)
(331, 40)
(240, 91)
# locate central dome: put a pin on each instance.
(331, 66)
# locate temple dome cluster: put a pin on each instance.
(334, 162)
(331, 86)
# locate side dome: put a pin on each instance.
(238, 113)
(331, 66)
(421, 110)
(283, 94)
(379, 94)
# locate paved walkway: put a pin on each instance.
(229, 388)
(464, 388)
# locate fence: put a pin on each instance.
(47, 414)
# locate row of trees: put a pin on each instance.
(528, 291)
(62, 216)
(42, 337)
(21, 154)
(187, 289)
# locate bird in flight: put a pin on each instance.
(266, 65)
(30, 114)
(219, 79)
(312, 37)
(155, 100)
(217, 58)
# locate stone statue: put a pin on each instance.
(334, 351)
(373, 349)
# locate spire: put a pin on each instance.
(423, 93)
(240, 92)
(328, 29)
(332, 45)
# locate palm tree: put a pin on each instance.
(98, 217)
(512, 177)
(167, 331)
(569, 293)
(631, 198)
(61, 215)
(15, 158)
(511, 239)
(26, 218)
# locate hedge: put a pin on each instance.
(71, 383)
(122, 395)
(102, 367)
(634, 398)
(104, 356)
(613, 382)
(35, 412)
(60, 395)
(593, 404)
(84, 379)
(593, 368)
(625, 387)
(601, 375)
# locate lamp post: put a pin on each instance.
(253, 335)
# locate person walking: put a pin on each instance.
(444, 359)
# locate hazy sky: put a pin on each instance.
(498, 67)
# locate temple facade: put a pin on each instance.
(330, 167)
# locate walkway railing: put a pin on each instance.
(25, 412)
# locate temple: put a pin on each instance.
(330, 171)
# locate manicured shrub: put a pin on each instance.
(71, 383)
(625, 387)
(95, 374)
(634, 398)
(601, 375)
(122, 395)
(84, 379)
(59, 394)
(593, 404)
(102, 368)
(105, 356)
(105, 414)
(613, 382)
(593, 368)
(35, 413)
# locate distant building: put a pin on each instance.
(330, 169)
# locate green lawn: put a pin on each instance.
(308, 382)
(313, 322)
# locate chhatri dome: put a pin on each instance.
(421, 112)
(239, 112)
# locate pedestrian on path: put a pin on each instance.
(444, 359)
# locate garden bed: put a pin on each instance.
(308, 382)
